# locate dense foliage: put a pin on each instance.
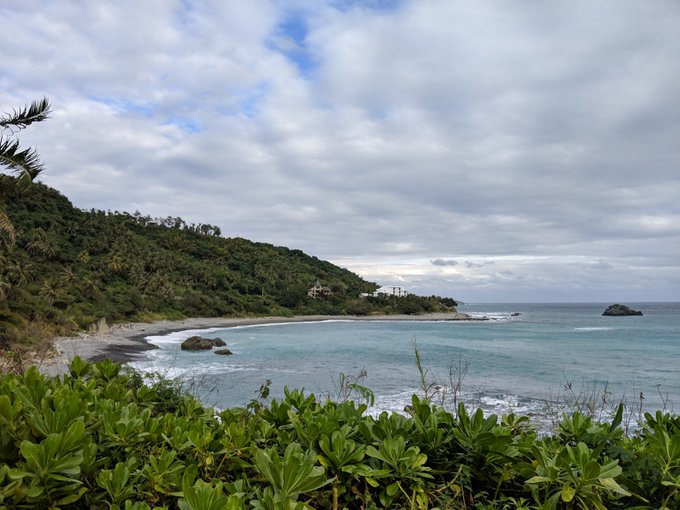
(101, 438)
(69, 268)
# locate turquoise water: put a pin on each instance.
(514, 362)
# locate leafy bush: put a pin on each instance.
(107, 438)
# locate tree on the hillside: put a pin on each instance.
(24, 163)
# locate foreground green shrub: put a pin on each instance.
(104, 437)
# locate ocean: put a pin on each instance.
(530, 359)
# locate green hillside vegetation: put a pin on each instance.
(68, 268)
(102, 438)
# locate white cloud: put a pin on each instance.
(535, 147)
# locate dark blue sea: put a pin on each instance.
(527, 359)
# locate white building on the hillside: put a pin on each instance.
(388, 291)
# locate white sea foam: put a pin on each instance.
(498, 405)
(177, 336)
(188, 372)
(505, 404)
(391, 403)
(594, 329)
(493, 316)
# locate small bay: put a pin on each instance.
(524, 356)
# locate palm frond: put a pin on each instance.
(19, 119)
(25, 163)
(6, 227)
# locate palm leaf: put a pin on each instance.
(25, 163)
(19, 119)
(6, 226)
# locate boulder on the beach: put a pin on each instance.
(224, 352)
(197, 343)
(218, 342)
(101, 327)
(620, 310)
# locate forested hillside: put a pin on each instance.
(68, 268)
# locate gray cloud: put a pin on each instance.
(600, 264)
(538, 145)
(442, 262)
(471, 265)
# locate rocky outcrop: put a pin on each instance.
(224, 352)
(620, 310)
(198, 343)
(101, 327)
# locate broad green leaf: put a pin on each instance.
(610, 470)
(392, 489)
(35, 492)
(539, 479)
(568, 492)
(612, 485)
(591, 471)
(72, 498)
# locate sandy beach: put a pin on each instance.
(126, 342)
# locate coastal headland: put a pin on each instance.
(126, 342)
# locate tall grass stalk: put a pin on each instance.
(444, 394)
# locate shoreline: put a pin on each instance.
(127, 342)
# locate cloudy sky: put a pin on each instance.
(488, 151)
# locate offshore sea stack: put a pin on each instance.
(620, 310)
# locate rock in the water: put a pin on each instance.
(197, 343)
(620, 310)
(224, 352)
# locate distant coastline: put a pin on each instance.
(126, 342)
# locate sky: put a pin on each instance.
(488, 151)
